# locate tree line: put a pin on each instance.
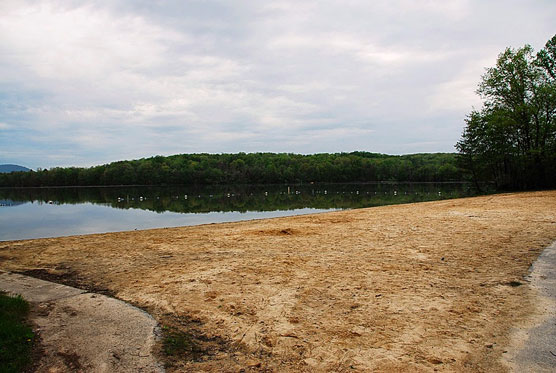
(511, 140)
(250, 168)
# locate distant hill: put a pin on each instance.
(6, 168)
(250, 168)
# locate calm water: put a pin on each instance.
(52, 212)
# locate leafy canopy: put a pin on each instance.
(511, 140)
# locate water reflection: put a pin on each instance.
(240, 198)
(49, 212)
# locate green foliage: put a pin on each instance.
(178, 343)
(255, 168)
(512, 139)
(16, 338)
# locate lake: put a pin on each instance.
(51, 212)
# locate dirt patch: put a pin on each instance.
(67, 277)
(184, 343)
(277, 232)
(71, 360)
(286, 231)
(38, 351)
(412, 287)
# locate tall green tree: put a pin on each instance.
(512, 139)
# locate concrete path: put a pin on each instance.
(538, 350)
(83, 331)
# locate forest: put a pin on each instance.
(511, 140)
(249, 168)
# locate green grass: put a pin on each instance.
(16, 338)
(176, 342)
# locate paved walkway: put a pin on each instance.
(538, 353)
(83, 331)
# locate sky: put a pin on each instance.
(84, 83)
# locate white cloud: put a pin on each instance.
(115, 80)
(457, 94)
(65, 43)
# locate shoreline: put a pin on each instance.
(126, 210)
(403, 287)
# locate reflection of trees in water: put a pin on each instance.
(244, 197)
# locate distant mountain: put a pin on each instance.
(5, 168)
(10, 203)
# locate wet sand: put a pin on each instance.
(417, 287)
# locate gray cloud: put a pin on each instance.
(83, 83)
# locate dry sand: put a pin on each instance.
(413, 287)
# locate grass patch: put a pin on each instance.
(178, 343)
(16, 338)
(183, 341)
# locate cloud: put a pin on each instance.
(66, 43)
(83, 83)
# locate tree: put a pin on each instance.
(512, 139)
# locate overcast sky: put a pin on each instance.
(90, 82)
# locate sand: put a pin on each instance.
(417, 287)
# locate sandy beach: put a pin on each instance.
(417, 287)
